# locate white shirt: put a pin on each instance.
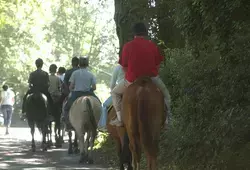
(117, 76)
(61, 76)
(7, 97)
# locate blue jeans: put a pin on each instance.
(103, 120)
(7, 114)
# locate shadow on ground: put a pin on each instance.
(15, 154)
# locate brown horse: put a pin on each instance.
(143, 117)
(121, 140)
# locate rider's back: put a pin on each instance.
(55, 84)
(39, 80)
(141, 57)
(83, 80)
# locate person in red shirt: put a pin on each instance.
(140, 57)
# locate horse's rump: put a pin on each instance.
(85, 112)
(143, 112)
(36, 108)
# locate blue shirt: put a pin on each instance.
(82, 79)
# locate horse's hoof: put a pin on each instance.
(70, 151)
(82, 160)
(58, 145)
(33, 149)
(76, 151)
(45, 148)
(50, 143)
(130, 168)
(90, 161)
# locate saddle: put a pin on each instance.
(37, 94)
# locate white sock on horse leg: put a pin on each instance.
(118, 115)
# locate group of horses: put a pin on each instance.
(143, 115)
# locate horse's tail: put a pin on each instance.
(145, 131)
(91, 115)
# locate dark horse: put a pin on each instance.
(73, 147)
(37, 114)
(56, 114)
(122, 142)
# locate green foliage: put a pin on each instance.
(207, 72)
(54, 31)
(209, 82)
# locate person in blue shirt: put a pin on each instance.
(117, 76)
(82, 83)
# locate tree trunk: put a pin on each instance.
(128, 12)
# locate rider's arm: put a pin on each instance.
(124, 57)
(93, 83)
(59, 83)
(72, 82)
(47, 80)
(30, 81)
(114, 77)
(66, 78)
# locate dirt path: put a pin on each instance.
(15, 154)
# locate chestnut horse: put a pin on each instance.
(121, 140)
(143, 116)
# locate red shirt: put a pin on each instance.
(141, 57)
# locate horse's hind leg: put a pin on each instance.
(119, 152)
(50, 143)
(83, 157)
(91, 144)
(151, 161)
(136, 153)
(44, 133)
(76, 148)
(57, 130)
(70, 150)
(32, 131)
(62, 132)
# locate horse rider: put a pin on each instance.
(82, 83)
(68, 73)
(38, 82)
(55, 83)
(117, 76)
(61, 73)
(140, 57)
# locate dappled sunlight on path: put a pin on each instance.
(15, 154)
